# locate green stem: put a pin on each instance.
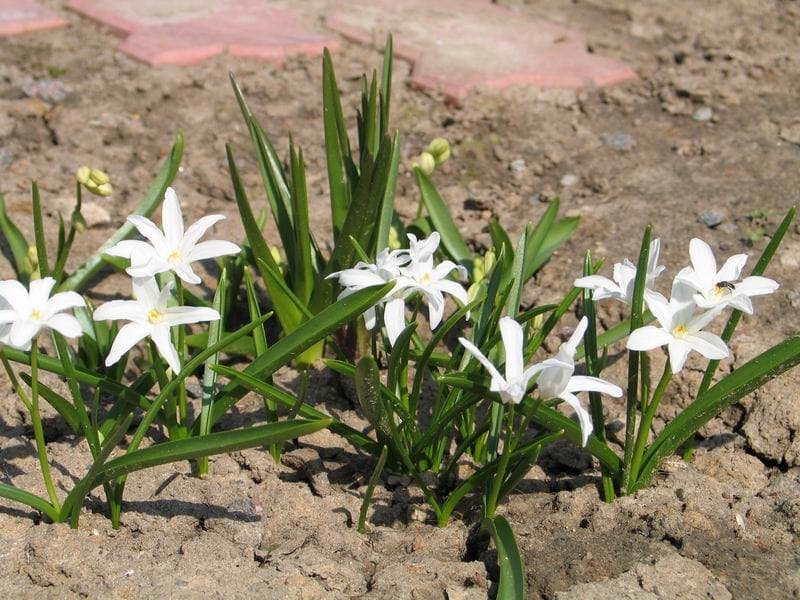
(182, 411)
(15, 383)
(38, 432)
(497, 482)
(647, 420)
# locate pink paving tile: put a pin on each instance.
(184, 32)
(22, 16)
(458, 45)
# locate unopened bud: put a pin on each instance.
(489, 260)
(478, 269)
(83, 175)
(394, 238)
(104, 189)
(276, 256)
(472, 292)
(426, 163)
(30, 263)
(98, 176)
(439, 148)
(79, 222)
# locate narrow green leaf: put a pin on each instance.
(57, 401)
(452, 241)
(38, 231)
(516, 276)
(536, 239)
(302, 264)
(376, 474)
(386, 84)
(337, 145)
(512, 572)
(744, 380)
(35, 502)
(387, 212)
(15, 239)
(558, 233)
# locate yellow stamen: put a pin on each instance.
(36, 315)
(680, 331)
(154, 316)
(174, 256)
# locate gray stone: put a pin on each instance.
(703, 114)
(711, 218)
(619, 141)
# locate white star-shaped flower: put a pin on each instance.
(714, 288)
(149, 316)
(173, 249)
(23, 313)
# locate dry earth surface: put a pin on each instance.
(710, 132)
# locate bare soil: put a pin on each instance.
(711, 126)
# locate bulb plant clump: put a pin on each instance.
(447, 363)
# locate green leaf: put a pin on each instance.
(536, 239)
(368, 391)
(288, 314)
(38, 231)
(556, 236)
(302, 264)
(516, 275)
(745, 379)
(16, 241)
(152, 199)
(302, 338)
(35, 502)
(215, 443)
(337, 146)
(57, 401)
(453, 243)
(387, 213)
(512, 572)
(386, 84)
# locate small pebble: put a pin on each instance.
(51, 91)
(569, 180)
(618, 141)
(703, 114)
(517, 166)
(711, 218)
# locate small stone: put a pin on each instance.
(569, 180)
(703, 114)
(619, 141)
(517, 166)
(711, 218)
(790, 133)
(51, 91)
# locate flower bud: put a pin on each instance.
(439, 148)
(83, 175)
(489, 260)
(394, 239)
(478, 269)
(104, 189)
(426, 163)
(30, 263)
(99, 177)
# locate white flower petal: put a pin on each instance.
(602, 287)
(130, 248)
(698, 322)
(172, 219)
(22, 332)
(145, 291)
(513, 339)
(149, 230)
(160, 336)
(571, 346)
(583, 416)
(65, 324)
(61, 302)
(454, 289)
(151, 266)
(185, 272)
(435, 307)
(707, 344)
(475, 351)
(197, 230)
(394, 318)
(742, 303)
(127, 337)
(660, 307)
(16, 296)
(648, 337)
(703, 262)
(732, 269)
(40, 291)
(756, 286)
(212, 249)
(184, 315)
(678, 352)
(584, 383)
(117, 310)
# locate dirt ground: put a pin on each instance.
(710, 132)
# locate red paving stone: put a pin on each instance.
(185, 32)
(23, 16)
(458, 45)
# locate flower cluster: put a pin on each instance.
(554, 376)
(700, 292)
(25, 312)
(413, 272)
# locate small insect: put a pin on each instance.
(726, 285)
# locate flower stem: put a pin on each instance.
(15, 383)
(497, 482)
(647, 421)
(182, 412)
(38, 432)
